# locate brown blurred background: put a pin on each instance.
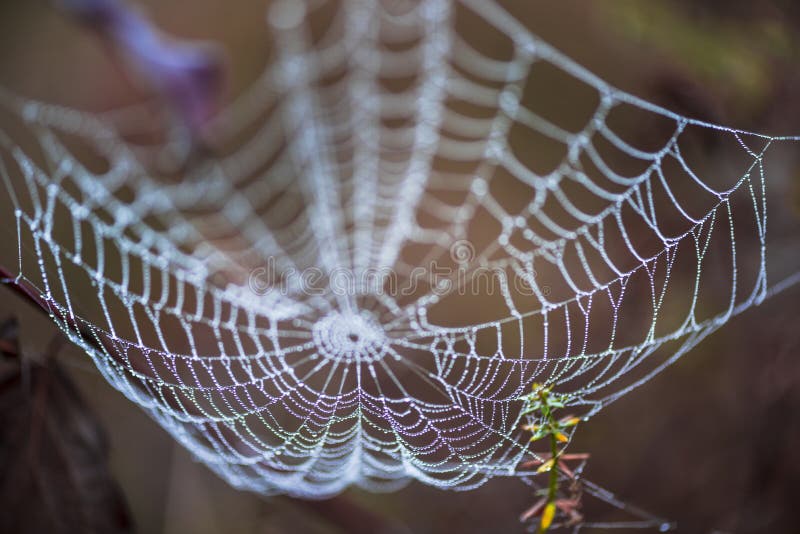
(713, 443)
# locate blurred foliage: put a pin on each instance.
(733, 48)
(54, 472)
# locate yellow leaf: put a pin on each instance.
(572, 421)
(531, 428)
(548, 514)
(547, 466)
(561, 437)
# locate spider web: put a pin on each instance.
(401, 228)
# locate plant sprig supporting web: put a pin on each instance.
(540, 405)
(395, 137)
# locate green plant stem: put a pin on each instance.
(552, 487)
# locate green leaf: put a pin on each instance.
(547, 466)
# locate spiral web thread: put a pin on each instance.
(392, 139)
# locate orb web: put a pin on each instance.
(398, 235)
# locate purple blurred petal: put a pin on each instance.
(189, 75)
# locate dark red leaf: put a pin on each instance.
(54, 474)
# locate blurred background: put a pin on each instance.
(712, 443)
